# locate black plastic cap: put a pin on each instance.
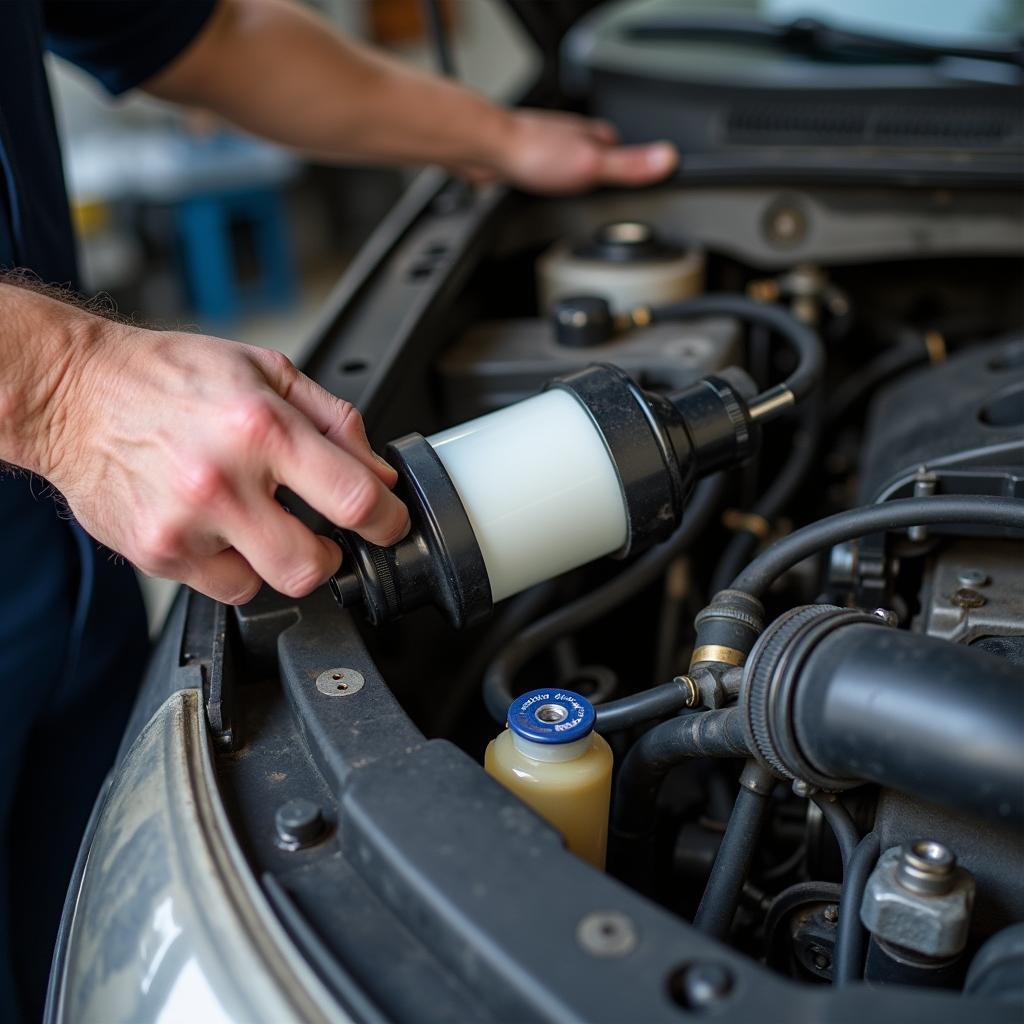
(582, 321)
(626, 241)
(438, 563)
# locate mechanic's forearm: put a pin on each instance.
(43, 345)
(328, 96)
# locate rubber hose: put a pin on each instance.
(839, 820)
(804, 341)
(849, 952)
(735, 854)
(890, 515)
(705, 734)
(657, 702)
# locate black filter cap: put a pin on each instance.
(439, 562)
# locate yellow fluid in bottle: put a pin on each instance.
(572, 794)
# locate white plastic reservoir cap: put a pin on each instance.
(539, 488)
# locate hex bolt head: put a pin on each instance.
(831, 913)
(299, 822)
(972, 578)
(918, 899)
(701, 986)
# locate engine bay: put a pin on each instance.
(922, 397)
(810, 689)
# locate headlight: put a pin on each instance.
(167, 923)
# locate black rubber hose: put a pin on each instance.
(804, 341)
(705, 734)
(735, 854)
(657, 702)
(500, 674)
(802, 449)
(848, 955)
(902, 513)
(838, 819)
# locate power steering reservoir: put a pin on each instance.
(552, 759)
(592, 466)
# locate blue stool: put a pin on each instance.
(204, 223)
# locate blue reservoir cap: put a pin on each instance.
(551, 716)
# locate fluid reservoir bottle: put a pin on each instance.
(624, 262)
(552, 759)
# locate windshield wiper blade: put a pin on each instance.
(815, 38)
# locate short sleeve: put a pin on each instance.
(123, 42)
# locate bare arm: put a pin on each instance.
(280, 71)
(169, 447)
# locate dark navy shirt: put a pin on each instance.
(119, 42)
(72, 624)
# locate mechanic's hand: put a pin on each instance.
(169, 447)
(557, 153)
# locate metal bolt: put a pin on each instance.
(924, 487)
(889, 617)
(967, 598)
(972, 578)
(339, 682)
(703, 985)
(785, 225)
(926, 867)
(804, 789)
(299, 822)
(822, 961)
(831, 913)
(607, 933)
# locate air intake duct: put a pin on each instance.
(835, 698)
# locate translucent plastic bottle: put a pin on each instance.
(552, 759)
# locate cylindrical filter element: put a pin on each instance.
(539, 488)
(552, 759)
(625, 263)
